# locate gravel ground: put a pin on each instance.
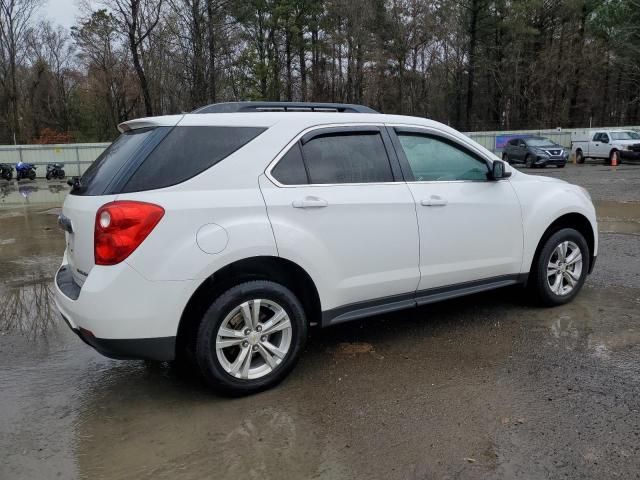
(481, 387)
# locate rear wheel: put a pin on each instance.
(579, 156)
(32, 175)
(561, 268)
(61, 174)
(250, 338)
(505, 158)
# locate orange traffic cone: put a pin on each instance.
(614, 159)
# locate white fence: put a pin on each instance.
(78, 156)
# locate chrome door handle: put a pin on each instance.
(310, 202)
(434, 201)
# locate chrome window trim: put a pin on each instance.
(427, 129)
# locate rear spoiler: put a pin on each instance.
(163, 121)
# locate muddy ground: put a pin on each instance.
(481, 387)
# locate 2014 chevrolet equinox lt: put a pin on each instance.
(220, 236)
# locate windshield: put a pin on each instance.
(539, 142)
(625, 135)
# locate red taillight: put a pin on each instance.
(121, 227)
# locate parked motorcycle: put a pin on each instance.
(6, 171)
(55, 170)
(25, 170)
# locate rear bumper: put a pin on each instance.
(120, 313)
(159, 349)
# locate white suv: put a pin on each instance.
(220, 236)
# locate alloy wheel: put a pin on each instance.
(253, 339)
(564, 268)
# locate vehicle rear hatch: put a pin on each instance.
(101, 184)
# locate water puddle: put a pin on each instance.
(28, 309)
(618, 217)
(32, 192)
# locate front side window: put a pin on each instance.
(347, 157)
(432, 158)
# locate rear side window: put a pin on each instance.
(187, 151)
(347, 158)
(118, 155)
(290, 169)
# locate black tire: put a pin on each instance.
(505, 158)
(539, 283)
(61, 174)
(32, 175)
(579, 157)
(48, 176)
(528, 160)
(560, 165)
(213, 372)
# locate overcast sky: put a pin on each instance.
(63, 12)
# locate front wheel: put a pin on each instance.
(32, 175)
(528, 160)
(561, 268)
(48, 176)
(61, 174)
(250, 338)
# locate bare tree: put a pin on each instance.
(15, 21)
(138, 18)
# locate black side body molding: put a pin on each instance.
(393, 303)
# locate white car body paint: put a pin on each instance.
(370, 241)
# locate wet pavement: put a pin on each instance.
(482, 387)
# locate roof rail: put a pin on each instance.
(233, 107)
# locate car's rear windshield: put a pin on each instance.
(151, 158)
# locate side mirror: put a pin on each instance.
(499, 170)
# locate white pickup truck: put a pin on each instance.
(606, 144)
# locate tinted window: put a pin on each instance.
(598, 137)
(347, 158)
(186, 152)
(290, 169)
(106, 167)
(431, 158)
